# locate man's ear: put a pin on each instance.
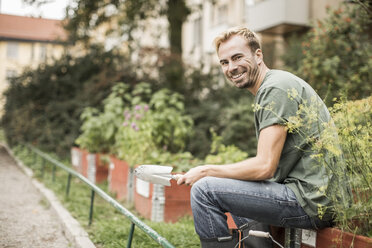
(258, 56)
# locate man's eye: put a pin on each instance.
(223, 63)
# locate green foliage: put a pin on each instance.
(224, 154)
(293, 55)
(128, 19)
(91, 139)
(237, 124)
(139, 127)
(99, 129)
(171, 126)
(129, 16)
(354, 125)
(337, 54)
(151, 132)
(43, 105)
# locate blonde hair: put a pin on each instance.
(252, 39)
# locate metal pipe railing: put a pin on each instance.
(134, 220)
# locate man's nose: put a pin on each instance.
(232, 66)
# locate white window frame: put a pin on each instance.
(12, 50)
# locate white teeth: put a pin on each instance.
(236, 76)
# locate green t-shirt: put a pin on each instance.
(278, 99)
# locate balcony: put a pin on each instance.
(278, 16)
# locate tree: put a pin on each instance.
(89, 14)
(337, 53)
(43, 106)
(129, 16)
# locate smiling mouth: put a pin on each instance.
(237, 76)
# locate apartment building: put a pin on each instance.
(273, 20)
(27, 42)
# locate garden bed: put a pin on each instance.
(162, 203)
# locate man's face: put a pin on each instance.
(238, 63)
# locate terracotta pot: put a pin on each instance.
(162, 203)
(177, 202)
(89, 165)
(333, 237)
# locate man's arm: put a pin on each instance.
(260, 167)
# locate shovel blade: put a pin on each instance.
(156, 174)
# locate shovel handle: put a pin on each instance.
(176, 176)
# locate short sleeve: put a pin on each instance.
(274, 107)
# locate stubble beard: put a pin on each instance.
(251, 79)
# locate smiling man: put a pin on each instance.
(279, 186)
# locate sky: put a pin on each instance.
(54, 10)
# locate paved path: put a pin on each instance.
(26, 218)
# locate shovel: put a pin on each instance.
(156, 174)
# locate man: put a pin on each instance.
(279, 186)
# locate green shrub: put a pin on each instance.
(354, 124)
(99, 128)
(222, 154)
(336, 54)
(152, 132)
(43, 106)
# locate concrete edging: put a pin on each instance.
(72, 229)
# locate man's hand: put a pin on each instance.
(193, 175)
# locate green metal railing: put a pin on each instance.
(134, 220)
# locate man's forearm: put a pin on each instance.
(250, 169)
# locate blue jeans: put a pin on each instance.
(263, 201)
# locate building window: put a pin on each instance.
(12, 50)
(222, 14)
(198, 32)
(10, 74)
(43, 52)
(219, 14)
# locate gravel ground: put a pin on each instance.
(26, 219)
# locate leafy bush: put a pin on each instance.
(354, 124)
(172, 126)
(139, 130)
(151, 133)
(221, 154)
(336, 54)
(43, 105)
(99, 129)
